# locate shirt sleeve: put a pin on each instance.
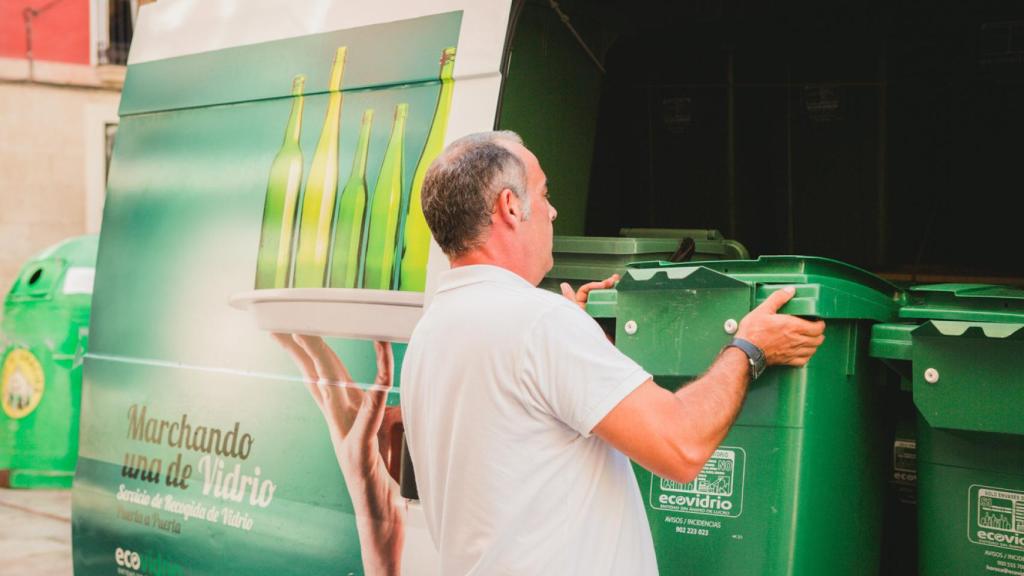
(572, 371)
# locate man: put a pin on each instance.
(520, 415)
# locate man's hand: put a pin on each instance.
(785, 340)
(580, 296)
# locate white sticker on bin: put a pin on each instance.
(79, 280)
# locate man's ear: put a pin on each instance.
(508, 207)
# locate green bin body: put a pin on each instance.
(796, 488)
(582, 259)
(961, 348)
(45, 329)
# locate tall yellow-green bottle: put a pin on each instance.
(274, 259)
(416, 244)
(348, 227)
(382, 232)
(321, 188)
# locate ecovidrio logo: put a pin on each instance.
(997, 517)
(132, 563)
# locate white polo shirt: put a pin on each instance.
(501, 386)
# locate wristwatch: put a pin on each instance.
(754, 355)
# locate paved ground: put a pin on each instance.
(35, 532)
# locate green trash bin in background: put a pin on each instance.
(45, 328)
(796, 488)
(961, 348)
(582, 259)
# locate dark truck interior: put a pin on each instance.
(887, 134)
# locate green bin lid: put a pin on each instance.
(704, 244)
(826, 288)
(613, 245)
(675, 317)
(587, 258)
(695, 233)
(960, 346)
(964, 302)
(954, 308)
(709, 242)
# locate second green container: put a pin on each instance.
(961, 348)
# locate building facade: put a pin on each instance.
(61, 73)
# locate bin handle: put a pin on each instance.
(687, 248)
(802, 304)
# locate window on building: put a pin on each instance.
(116, 20)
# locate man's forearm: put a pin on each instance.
(674, 434)
(712, 402)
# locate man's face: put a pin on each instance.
(537, 230)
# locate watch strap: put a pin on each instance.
(754, 355)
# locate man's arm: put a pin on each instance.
(673, 434)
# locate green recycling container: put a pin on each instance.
(961, 349)
(582, 259)
(45, 328)
(796, 487)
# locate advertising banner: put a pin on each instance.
(266, 175)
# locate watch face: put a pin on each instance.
(758, 365)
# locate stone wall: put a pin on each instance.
(51, 166)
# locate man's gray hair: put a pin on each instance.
(462, 185)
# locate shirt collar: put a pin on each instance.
(466, 275)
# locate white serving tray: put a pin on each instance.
(343, 312)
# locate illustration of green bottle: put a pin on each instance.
(382, 232)
(274, 258)
(348, 228)
(416, 245)
(321, 188)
